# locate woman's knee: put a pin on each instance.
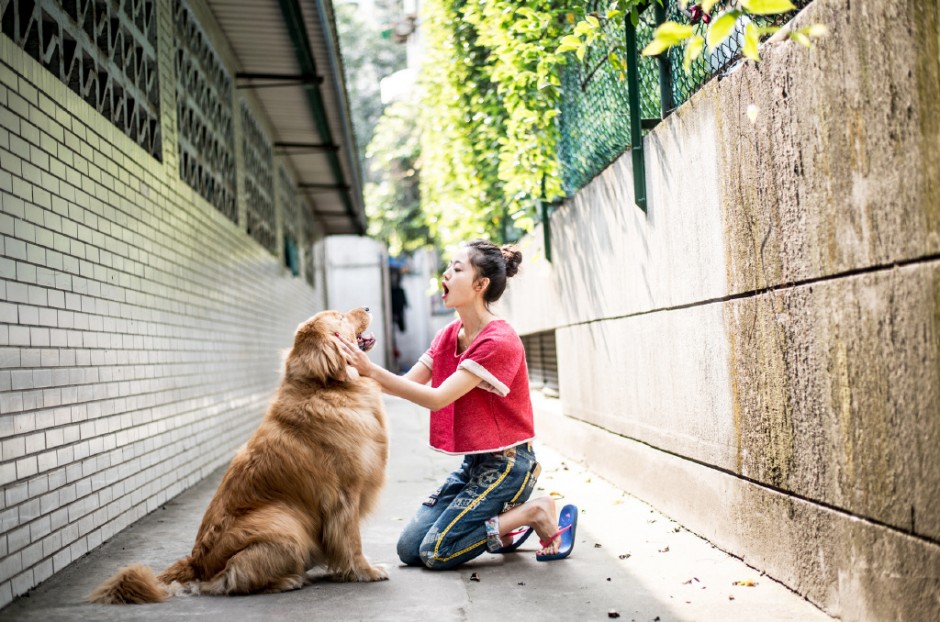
(409, 545)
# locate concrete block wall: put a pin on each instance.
(759, 355)
(140, 330)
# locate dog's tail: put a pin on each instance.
(136, 584)
(132, 585)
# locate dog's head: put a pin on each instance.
(316, 354)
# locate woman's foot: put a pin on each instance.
(537, 513)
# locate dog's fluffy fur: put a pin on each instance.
(295, 493)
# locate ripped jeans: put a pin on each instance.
(450, 526)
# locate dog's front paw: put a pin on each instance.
(363, 574)
(377, 573)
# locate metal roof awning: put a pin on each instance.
(288, 55)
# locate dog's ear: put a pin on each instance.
(318, 357)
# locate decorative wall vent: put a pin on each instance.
(106, 52)
(259, 181)
(291, 223)
(204, 115)
(542, 360)
(310, 236)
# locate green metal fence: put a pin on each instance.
(596, 120)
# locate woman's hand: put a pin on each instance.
(356, 358)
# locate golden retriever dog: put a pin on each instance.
(295, 493)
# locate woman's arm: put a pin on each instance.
(411, 387)
(419, 373)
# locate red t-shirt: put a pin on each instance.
(495, 414)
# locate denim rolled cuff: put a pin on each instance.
(493, 540)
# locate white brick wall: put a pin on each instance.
(140, 330)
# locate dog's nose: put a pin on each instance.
(366, 308)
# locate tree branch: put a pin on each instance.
(600, 63)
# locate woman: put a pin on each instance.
(479, 398)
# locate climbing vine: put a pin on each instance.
(490, 98)
(490, 94)
(711, 23)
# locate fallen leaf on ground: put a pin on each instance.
(745, 582)
(597, 545)
(664, 550)
(625, 555)
(475, 577)
(730, 597)
(556, 495)
(613, 614)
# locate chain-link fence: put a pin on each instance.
(595, 108)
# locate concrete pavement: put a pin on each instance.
(628, 559)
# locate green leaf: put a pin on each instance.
(568, 43)
(707, 5)
(525, 222)
(693, 49)
(673, 33)
(767, 7)
(582, 29)
(634, 17)
(580, 53)
(593, 21)
(613, 13)
(721, 28)
(751, 41)
(801, 38)
(817, 30)
(656, 46)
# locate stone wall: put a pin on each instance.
(759, 355)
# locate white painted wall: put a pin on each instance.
(423, 318)
(357, 276)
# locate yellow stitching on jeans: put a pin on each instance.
(476, 502)
(524, 482)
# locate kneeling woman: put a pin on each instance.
(480, 409)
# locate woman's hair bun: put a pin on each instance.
(513, 258)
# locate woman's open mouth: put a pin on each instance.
(365, 341)
(445, 288)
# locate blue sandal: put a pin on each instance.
(567, 525)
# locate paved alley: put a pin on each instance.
(629, 562)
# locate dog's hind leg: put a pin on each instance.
(262, 567)
(286, 584)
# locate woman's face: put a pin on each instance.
(458, 281)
